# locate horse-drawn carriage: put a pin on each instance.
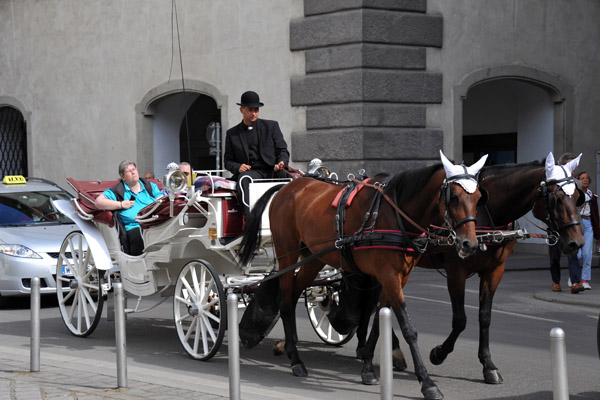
(196, 237)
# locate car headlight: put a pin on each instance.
(17, 250)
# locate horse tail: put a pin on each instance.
(251, 238)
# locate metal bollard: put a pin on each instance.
(34, 355)
(385, 332)
(120, 336)
(560, 385)
(233, 338)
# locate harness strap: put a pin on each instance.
(299, 263)
(399, 211)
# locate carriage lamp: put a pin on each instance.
(316, 168)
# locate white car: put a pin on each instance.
(31, 233)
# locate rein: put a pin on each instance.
(379, 187)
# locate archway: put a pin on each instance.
(171, 125)
(537, 97)
(510, 120)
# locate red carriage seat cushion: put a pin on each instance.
(162, 210)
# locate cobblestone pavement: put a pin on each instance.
(60, 379)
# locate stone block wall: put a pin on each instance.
(366, 85)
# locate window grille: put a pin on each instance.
(13, 143)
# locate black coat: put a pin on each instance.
(272, 145)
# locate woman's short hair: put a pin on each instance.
(581, 173)
(124, 165)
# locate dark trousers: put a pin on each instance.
(243, 184)
(136, 242)
(574, 267)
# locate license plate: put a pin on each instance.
(66, 271)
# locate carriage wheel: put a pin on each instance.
(78, 286)
(318, 308)
(200, 310)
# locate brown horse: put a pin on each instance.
(513, 191)
(303, 224)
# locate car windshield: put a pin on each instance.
(31, 208)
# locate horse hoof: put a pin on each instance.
(432, 393)
(398, 361)
(277, 348)
(299, 370)
(399, 365)
(437, 355)
(369, 378)
(492, 376)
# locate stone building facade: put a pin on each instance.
(374, 84)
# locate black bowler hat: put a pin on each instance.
(250, 99)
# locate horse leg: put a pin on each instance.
(291, 289)
(456, 280)
(368, 307)
(487, 288)
(367, 374)
(398, 359)
(428, 388)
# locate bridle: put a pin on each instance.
(550, 201)
(445, 191)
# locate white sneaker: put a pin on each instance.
(569, 283)
(587, 286)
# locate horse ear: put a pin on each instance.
(474, 169)
(447, 164)
(571, 165)
(549, 165)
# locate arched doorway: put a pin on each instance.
(172, 126)
(13, 142)
(509, 119)
(523, 94)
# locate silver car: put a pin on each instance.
(31, 233)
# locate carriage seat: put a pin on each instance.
(160, 211)
(211, 185)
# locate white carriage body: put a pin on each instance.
(197, 231)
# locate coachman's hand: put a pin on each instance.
(244, 168)
(279, 166)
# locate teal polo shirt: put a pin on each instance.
(142, 199)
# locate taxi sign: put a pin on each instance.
(12, 179)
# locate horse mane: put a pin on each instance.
(407, 184)
(507, 169)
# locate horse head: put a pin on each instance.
(558, 204)
(458, 201)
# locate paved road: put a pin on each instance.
(525, 311)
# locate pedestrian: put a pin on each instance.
(570, 161)
(254, 148)
(591, 229)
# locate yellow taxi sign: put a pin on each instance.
(12, 179)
